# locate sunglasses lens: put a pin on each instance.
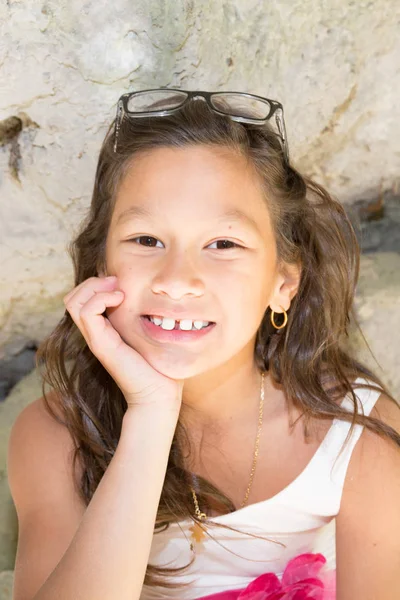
(241, 106)
(154, 101)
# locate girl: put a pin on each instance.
(207, 435)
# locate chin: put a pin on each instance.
(171, 364)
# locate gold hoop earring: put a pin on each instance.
(284, 321)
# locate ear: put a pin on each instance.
(287, 285)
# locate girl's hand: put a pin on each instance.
(139, 382)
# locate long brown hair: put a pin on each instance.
(307, 357)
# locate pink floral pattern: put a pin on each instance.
(301, 580)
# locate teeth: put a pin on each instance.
(156, 320)
(184, 324)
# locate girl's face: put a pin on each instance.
(173, 211)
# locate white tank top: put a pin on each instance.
(301, 518)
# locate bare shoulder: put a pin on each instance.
(388, 411)
(47, 502)
(379, 451)
(376, 457)
(368, 544)
(39, 448)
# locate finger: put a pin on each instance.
(96, 284)
(101, 337)
(88, 316)
(82, 293)
(106, 344)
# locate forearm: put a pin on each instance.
(108, 555)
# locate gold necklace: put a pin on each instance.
(198, 530)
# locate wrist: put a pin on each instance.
(153, 411)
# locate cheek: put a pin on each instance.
(131, 278)
(119, 316)
(252, 295)
(255, 304)
(120, 260)
(123, 315)
(125, 319)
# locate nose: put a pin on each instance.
(178, 277)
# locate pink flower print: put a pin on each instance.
(264, 587)
(300, 581)
(303, 567)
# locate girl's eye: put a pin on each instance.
(234, 245)
(149, 238)
(143, 237)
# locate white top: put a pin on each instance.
(301, 516)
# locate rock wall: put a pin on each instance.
(63, 65)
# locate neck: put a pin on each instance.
(215, 401)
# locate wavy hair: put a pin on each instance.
(308, 357)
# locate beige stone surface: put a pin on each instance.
(6, 583)
(63, 65)
(377, 305)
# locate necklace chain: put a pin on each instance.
(202, 515)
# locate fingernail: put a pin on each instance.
(110, 277)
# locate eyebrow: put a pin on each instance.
(233, 214)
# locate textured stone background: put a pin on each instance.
(63, 64)
(334, 65)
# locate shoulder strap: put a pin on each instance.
(342, 444)
(327, 473)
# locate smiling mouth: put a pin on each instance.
(177, 322)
